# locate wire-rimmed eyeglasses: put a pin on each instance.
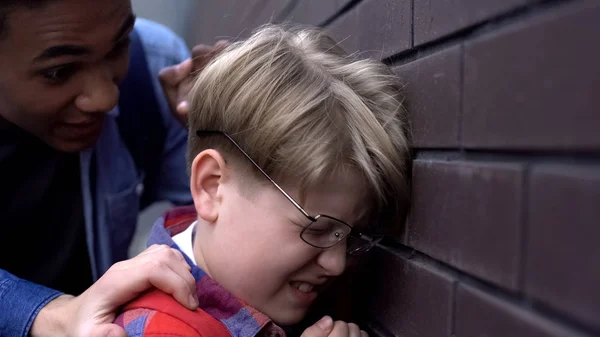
(323, 231)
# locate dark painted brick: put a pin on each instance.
(343, 30)
(535, 84)
(383, 27)
(231, 19)
(437, 18)
(314, 12)
(219, 19)
(468, 215)
(432, 86)
(481, 314)
(563, 254)
(259, 12)
(408, 298)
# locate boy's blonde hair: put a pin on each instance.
(304, 110)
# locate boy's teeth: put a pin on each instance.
(304, 287)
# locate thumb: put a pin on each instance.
(320, 329)
(108, 330)
(173, 75)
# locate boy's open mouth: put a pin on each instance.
(304, 292)
(304, 287)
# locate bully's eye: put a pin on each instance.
(59, 74)
(120, 49)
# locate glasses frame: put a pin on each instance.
(374, 239)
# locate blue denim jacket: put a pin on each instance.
(111, 213)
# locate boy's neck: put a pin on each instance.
(197, 247)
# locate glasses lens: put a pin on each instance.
(325, 232)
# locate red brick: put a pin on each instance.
(432, 86)
(408, 298)
(481, 314)
(563, 254)
(314, 12)
(383, 27)
(467, 214)
(535, 83)
(437, 18)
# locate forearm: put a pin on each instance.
(20, 303)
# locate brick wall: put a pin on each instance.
(503, 234)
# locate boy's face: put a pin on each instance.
(255, 250)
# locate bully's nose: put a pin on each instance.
(100, 93)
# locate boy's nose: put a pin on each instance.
(333, 260)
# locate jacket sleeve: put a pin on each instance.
(164, 48)
(20, 302)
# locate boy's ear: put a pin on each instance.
(207, 175)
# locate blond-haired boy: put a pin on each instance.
(295, 149)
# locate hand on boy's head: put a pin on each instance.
(202, 54)
(327, 328)
(176, 80)
(92, 313)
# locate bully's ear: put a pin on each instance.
(208, 169)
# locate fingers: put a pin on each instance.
(175, 280)
(146, 255)
(343, 329)
(203, 54)
(173, 75)
(340, 329)
(327, 328)
(108, 330)
(169, 272)
(160, 267)
(175, 81)
(320, 329)
(353, 330)
(183, 108)
(222, 44)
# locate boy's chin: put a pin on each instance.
(282, 318)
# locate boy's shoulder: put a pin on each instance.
(157, 313)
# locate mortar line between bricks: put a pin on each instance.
(517, 299)
(524, 228)
(378, 329)
(461, 96)
(498, 22)
(527, 156)
(345, 8)
(452, 325)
